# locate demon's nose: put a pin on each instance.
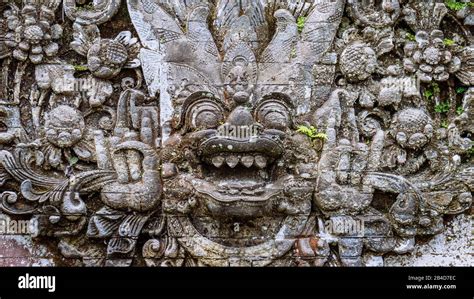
(240, 117)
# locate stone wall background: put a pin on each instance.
(452, 247)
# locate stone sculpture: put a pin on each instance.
(180, 140)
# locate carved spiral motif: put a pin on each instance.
(9, 197)
(204, 114)
(154, 248)
(371, 122)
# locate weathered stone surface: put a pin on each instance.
(236, 133)
(453, 247)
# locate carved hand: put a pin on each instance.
(138, 186)
(343, 166)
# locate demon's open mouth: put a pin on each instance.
(239, 175)
(235, 158)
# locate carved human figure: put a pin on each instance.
(239, 86)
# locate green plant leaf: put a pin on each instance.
(73, 161)
(455, 5)
(443, 107)
(470, 151)
(436, 88)
(428, 94)
(300, 23)
(80, 68)
(461, 90)
(321, 136)
(410, 36)
(293, 53)
(431, 91)
(312, 133)
(448, 42)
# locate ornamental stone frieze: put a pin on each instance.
(234, 133)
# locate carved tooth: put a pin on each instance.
(233, 192)
(218, 161)
(247, 161)
(232, 161)
(261, 162)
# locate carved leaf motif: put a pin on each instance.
(84, 37)
(154, 26)
(179, 8)
(466, 74)
(18, 167)
(199, 33)
(104, 223)
(319, 30)
(229, 15)
(425, 15)
(283, 43)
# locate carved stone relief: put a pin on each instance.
(235, 133)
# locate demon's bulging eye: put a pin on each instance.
(274, 115)
(204, 114)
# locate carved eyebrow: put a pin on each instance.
(196, 97)
(276, 97)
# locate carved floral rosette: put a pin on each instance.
(235, 133)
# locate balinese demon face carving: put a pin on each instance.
(229, 141)
(229, 176)
(226, 170)
(237, 155)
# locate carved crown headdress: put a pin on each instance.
(182, 55)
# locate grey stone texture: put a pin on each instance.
(236, 133)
